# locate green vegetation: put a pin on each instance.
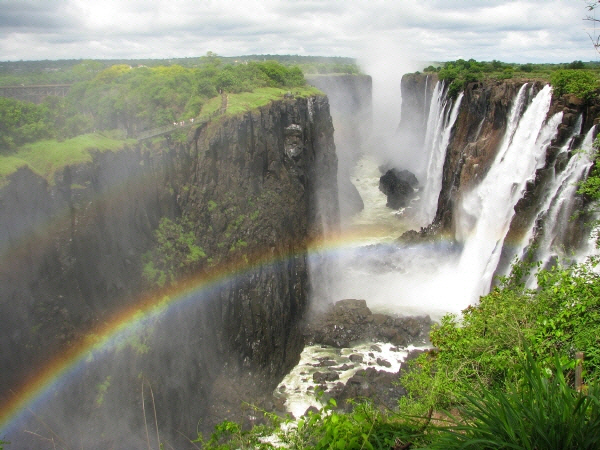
(102, 389)
(541, 411)
(364, 428)
(65, 71)
(176, 253)
(47, 156)
(22, 122)
(133, 99)
(581, 83)
(577, 78)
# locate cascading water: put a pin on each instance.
(442, 115)
(485, 213)
(557, 210)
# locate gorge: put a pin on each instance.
(259, 192)
(246, 187)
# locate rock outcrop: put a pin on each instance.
(256, 188)
(399, 187)
(350, 321)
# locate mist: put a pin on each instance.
(387, 61)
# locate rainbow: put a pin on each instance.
(124, 324)
(116, 330)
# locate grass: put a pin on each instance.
(47, 156)
(541, 412)
(247, 101)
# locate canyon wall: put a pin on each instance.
(476, 137)
(351, 98)
(253, 189)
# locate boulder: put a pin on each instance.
(350, 321)
(399, 187)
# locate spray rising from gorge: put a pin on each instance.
(268, 179)
(450, 271)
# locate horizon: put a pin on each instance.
(515, 31)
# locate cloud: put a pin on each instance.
(515, 31)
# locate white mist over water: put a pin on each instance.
(435, 279)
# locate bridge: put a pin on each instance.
(35, 93)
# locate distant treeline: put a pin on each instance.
(69, 71)
(135, 98)
(577, 77)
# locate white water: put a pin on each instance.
(484, 214)
(298, 387)
(440, 278)
(439, 126)
(558, 181)
(557, 209)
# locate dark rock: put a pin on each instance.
(383, 362)
(380, 386)
(350, 321)
(322, 377)
(399, 187)
(356, 358)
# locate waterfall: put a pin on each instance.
(484, 214)
(442, 116)
(558, 208)
(558, 181)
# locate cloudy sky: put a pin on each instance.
(426, 30)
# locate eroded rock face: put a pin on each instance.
(256, 187)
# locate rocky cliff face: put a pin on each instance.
(476, 137)
(256, 189)
(352, 110)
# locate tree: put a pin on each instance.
(595, 39)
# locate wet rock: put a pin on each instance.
(322, 377)
(356, 358)
(370, 383)
(399, 187)
(383, 362)
(350, 321)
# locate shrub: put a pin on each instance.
(176, 253)
(583, 84)
(542, 412)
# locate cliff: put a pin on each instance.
(351, 98)
(476, 136)
(254, 189)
